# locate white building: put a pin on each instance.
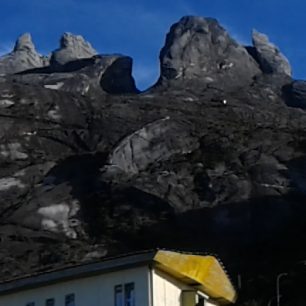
(154, 278)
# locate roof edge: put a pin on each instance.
(67, 273)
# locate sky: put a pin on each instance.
(138, 27)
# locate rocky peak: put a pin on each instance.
(24, 43)
(72, 47)
(72, 68)
(269, 57)
(23, 57)
(199, 49)
(69, 40)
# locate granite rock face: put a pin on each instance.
(155, 142)
(23, 57)
(199, 49)
(270, 59)
(88, 77)
(72, 47)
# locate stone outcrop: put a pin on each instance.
(199, 49)
(295, 94)
(270, 59)
(155, 142)
(72, 47)
(87, 77)
(23, 57)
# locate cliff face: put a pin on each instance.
(211, 158)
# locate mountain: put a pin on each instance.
(210, 158)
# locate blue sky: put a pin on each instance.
(138, 27)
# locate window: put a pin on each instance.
(126, 298)
(69, 299)
(50, 302)
(129, 295)
(118, 295)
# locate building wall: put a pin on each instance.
(89, 291)
(166, 290)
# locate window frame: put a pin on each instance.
(124, 294)
(118, 299)
(47, 302)
(67, 301)
(129, 288)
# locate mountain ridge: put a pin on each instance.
(213, 153)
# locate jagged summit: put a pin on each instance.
(23, 57)
(74, 67)
(69, 40)
(200, 49)
(72, 47)
(198, 53)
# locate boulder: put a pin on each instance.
(23, 57)
(72, 47)
(155, 142)
(295, 94)
(270, 59)
(199, 49)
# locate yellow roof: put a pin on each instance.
(204, 272)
